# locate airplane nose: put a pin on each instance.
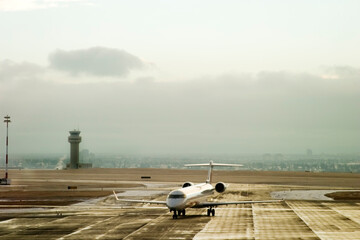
(174, 203)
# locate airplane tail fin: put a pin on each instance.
(211, 164)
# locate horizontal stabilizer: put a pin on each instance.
(211, 164)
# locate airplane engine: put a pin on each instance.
(187, 184)
(220, 187)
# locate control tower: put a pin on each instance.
(74, 140)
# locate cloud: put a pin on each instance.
(27, 5)
(10, 70)
(345, 72)
(99, 61)
(231, 113)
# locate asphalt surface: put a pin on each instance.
(105, 218)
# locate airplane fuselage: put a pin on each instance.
(187, 197)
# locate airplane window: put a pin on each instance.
(177, 195)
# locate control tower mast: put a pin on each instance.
(74, 140)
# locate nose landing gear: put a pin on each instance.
(178, 213)
(211, 211)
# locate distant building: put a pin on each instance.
(266, 157)
(86, 156)
(309, 152)
(278, 157)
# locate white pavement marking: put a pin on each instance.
(302, 195)
(144, 226)
(302, 219)
(278, 221)
(229, 223)
(347, 209)
(325, 222)
(84, 228)
(102, 235)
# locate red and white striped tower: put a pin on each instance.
(7, 120)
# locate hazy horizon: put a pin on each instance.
(202, 77)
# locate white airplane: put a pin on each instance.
(194, 196)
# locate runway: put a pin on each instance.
(104, 218)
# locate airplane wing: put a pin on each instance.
(138, 201)
(214, 204)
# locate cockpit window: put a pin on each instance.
(177, 195)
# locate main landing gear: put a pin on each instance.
(211, 211)
(178, 213)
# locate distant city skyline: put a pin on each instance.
(185, 77)
(267, 162)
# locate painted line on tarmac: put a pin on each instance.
(302, 219)
(84, 228)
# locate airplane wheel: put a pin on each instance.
(183, 212)
(213, 212)
(179, 212)
(174, 216)
(208, 212)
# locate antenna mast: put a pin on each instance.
(6, 180)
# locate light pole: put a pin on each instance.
(7, 121)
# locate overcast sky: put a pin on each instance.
(181, 76)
